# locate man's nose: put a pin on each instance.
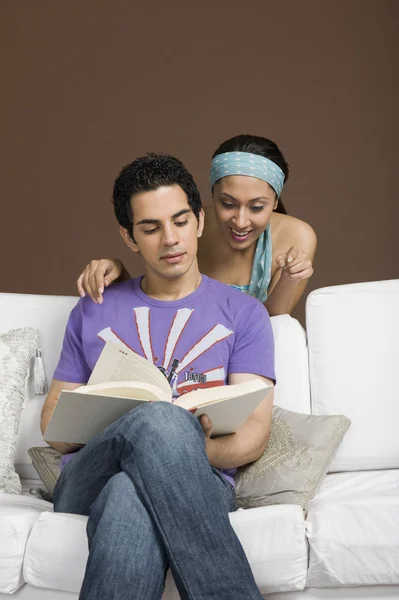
(169, 236)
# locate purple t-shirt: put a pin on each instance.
(197, 341)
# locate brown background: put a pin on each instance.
(87, 86)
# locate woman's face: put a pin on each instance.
(243, 207)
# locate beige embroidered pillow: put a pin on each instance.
(46, 461)
(296, 459)
(17, 347)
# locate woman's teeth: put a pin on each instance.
(240, 233)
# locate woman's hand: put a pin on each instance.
(295, 265)
(98, 275)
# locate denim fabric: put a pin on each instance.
(154, 502)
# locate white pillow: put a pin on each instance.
(16, 350)
(353, 337)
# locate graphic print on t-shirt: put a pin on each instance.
(170, 365)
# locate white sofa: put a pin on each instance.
(345, 545)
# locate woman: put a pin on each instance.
(249, 241)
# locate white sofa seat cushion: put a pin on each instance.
(274, 541)
(17, 517)
(272, 537)
(353, 530)
(56, 552)
(353, 340)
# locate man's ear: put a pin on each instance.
(129, 241)
(201, 222)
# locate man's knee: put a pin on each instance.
(161, 426)
(162, 418)
(118, 489)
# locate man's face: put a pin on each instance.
(165, 231)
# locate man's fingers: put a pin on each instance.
(206, 425)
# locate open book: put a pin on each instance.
(122, 380)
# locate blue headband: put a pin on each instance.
(251, 165)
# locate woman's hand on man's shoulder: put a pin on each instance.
(98, 275)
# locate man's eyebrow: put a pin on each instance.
(157, 221)
(252, 199)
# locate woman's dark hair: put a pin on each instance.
(257, 145)
(148, 173)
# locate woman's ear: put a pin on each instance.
(201, 222)
(129, 241)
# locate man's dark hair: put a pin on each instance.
(148, 173)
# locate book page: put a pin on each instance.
(208, 396)
(117, 363)
(125, 389)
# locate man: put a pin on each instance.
(156, 486)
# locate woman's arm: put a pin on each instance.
(295, 268)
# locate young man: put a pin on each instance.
(156, 486)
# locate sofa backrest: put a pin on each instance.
(49, 314)
(292, 391)
(353, 343)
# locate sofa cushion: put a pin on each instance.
(273, 539)
(353, 339)
(17, 516)
(353, 530)
(17, 348)
(295, 461)
(47, 463)
(56, 552)
(49, 315)
(275, 545)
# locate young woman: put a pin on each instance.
(249, 241)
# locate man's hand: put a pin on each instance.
(295, 265)
(207, 427)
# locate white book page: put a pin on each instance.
(208, 396)
(125, 389)
(117, 363)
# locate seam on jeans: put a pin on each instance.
(159, 522)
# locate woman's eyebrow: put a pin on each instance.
(235, 199)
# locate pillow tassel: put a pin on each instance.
(39, 375)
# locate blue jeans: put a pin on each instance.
(154, 502)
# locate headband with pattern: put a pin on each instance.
(251, 165)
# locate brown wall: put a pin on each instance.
(87, 86)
